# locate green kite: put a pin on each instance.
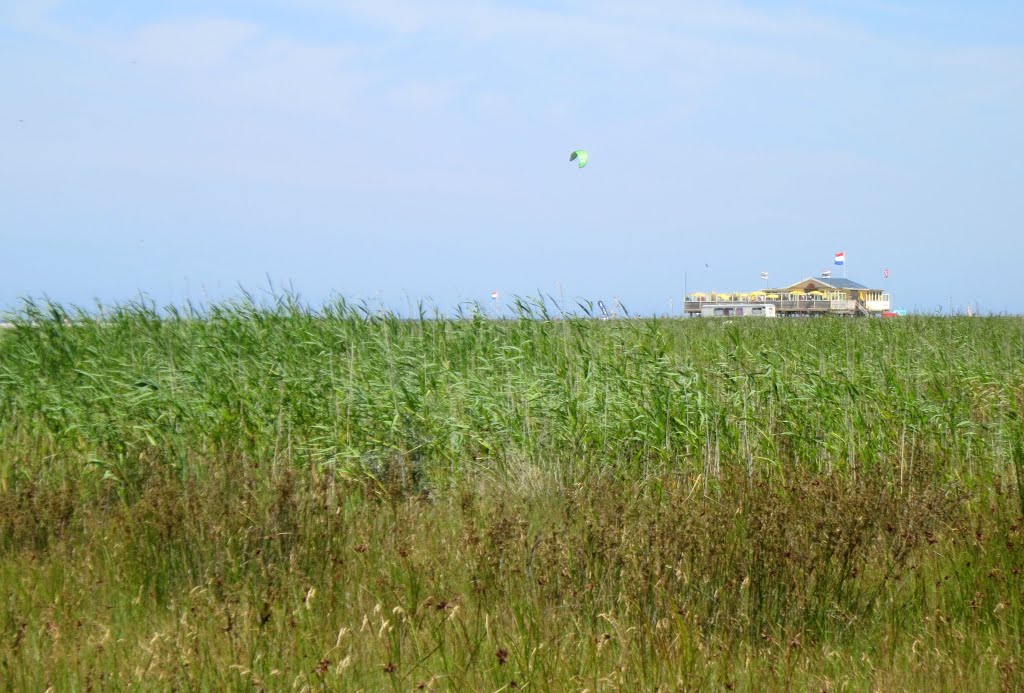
(579, 155)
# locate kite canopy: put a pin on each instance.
(579, 155)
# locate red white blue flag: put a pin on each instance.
(841, 258)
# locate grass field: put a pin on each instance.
(268, 497)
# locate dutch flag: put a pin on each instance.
(841, 258)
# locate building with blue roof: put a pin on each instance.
(807, 297)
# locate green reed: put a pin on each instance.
(280, 497)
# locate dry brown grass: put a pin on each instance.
(304, 580)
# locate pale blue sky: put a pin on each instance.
(382, 149)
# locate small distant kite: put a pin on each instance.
(580, 156)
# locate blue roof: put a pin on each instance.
(842, 283)
(834, 282)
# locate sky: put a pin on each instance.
(396, 151)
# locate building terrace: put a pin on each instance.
(811, 296)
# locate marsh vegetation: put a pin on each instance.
(272, 497)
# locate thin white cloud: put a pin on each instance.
(475, 19)
(689, 42)
(30, 16)
(232, 64)
(991, 72)
(190, 44)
